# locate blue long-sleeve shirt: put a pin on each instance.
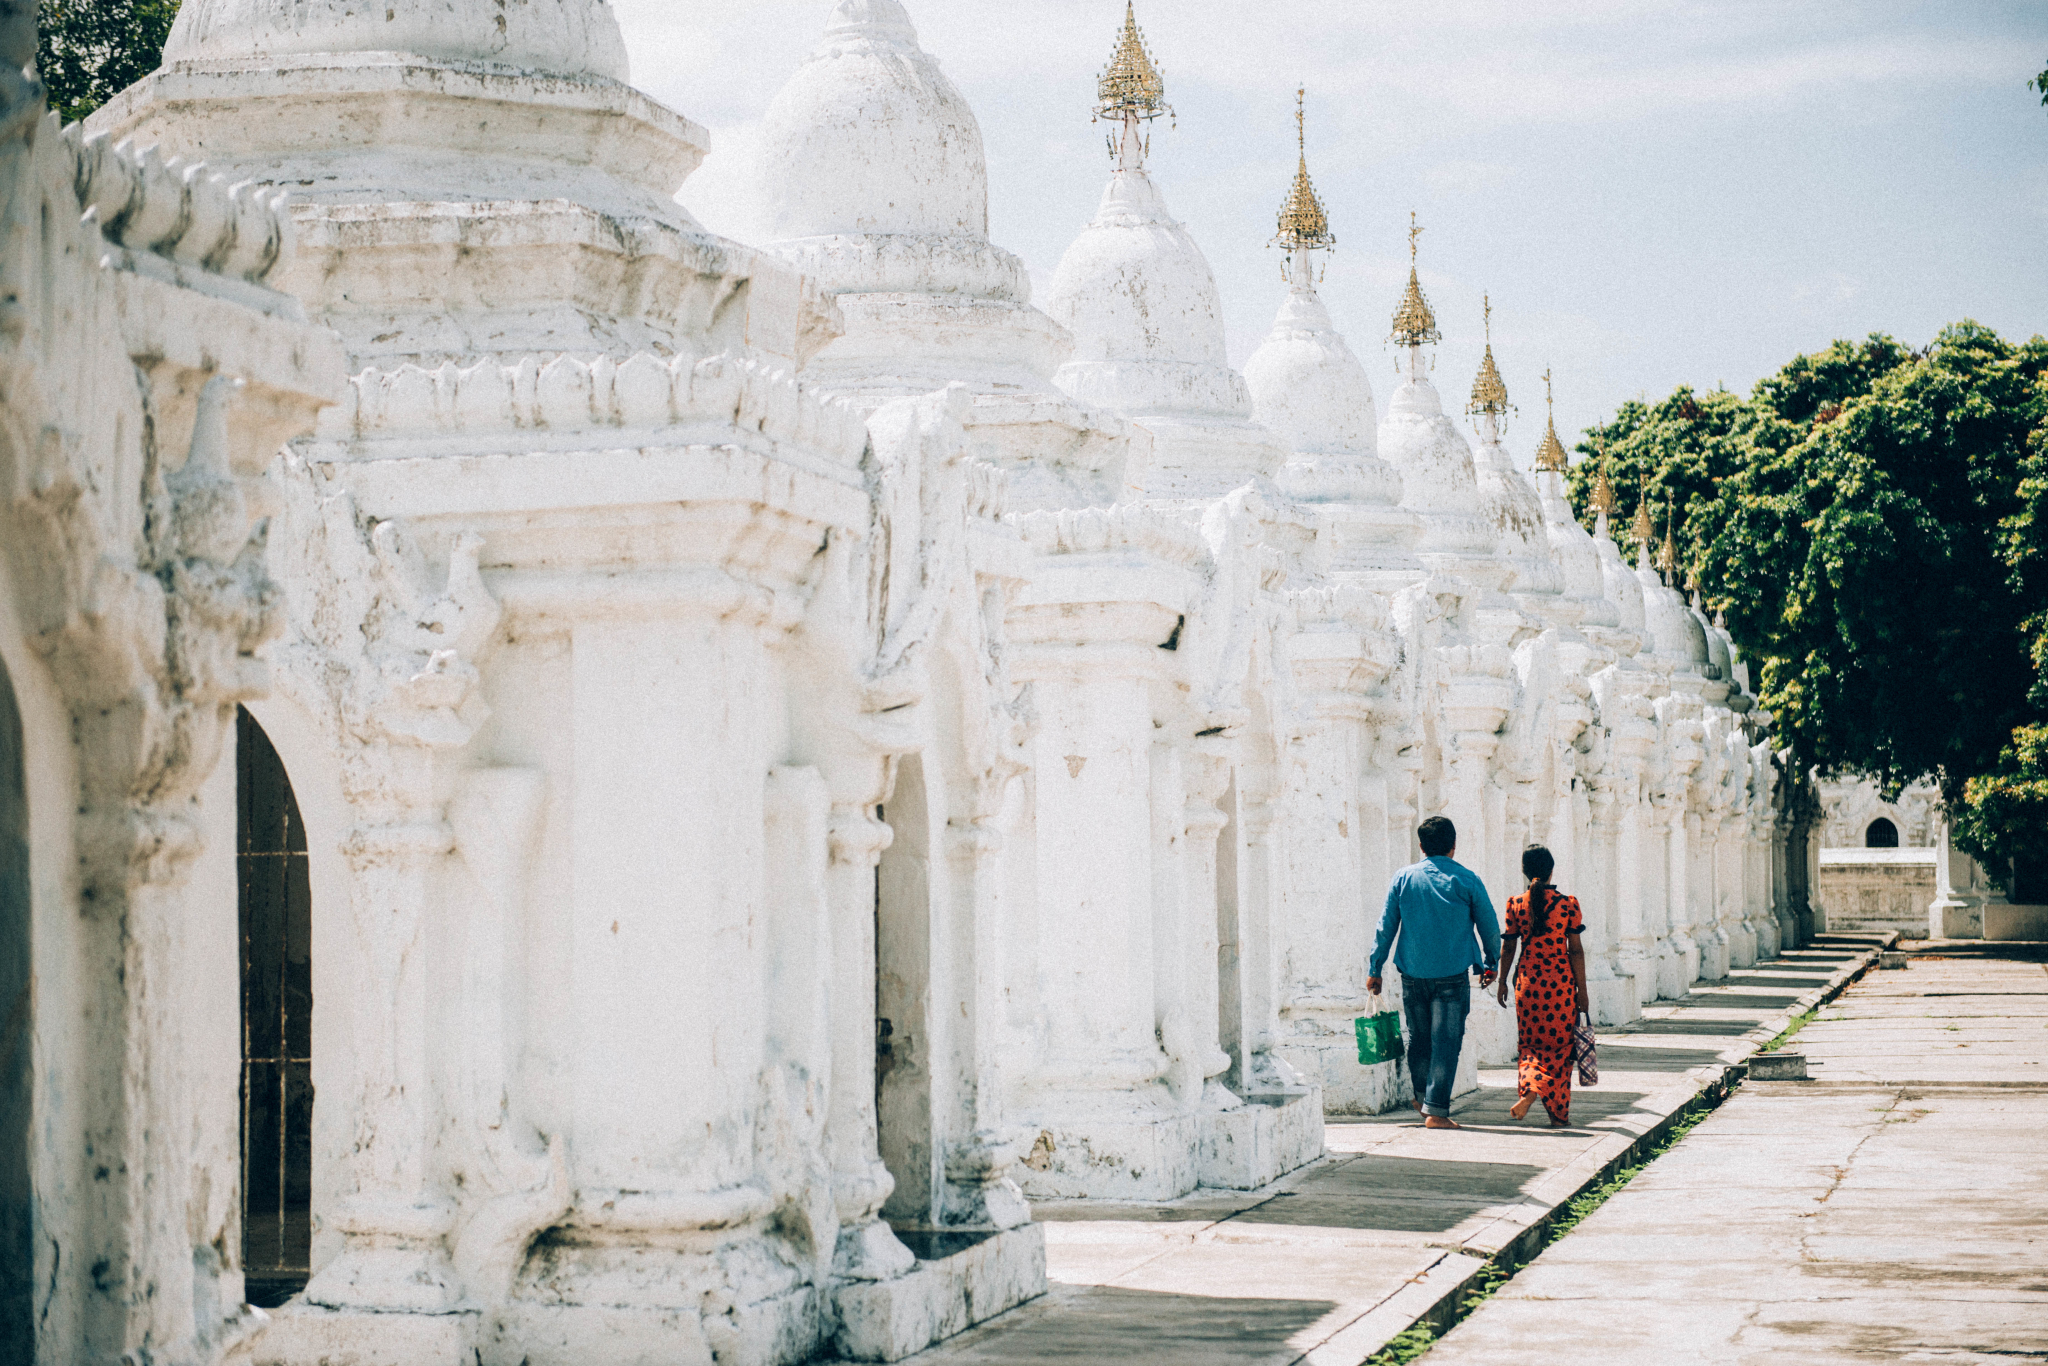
(1434, 909)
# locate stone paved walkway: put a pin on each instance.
(1895, 1209)
(1329, 1263)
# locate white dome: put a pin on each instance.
(1437, 475)
(1669, 620)
(1308, 386)
(1621, 586)
(1140, 300)
(1572, 545)
(870, 137)
(561, 37)
(1510, 506)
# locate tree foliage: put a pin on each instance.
(89, 51)
(1873, 523)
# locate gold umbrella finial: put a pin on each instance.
(1551, 456)
(1667, 554)
(1414, 323)
(1642, 531)
(1603, 491)
(1131, 87)
(1489, 391)
(1303, 225)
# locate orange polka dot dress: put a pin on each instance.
(1546, 1002)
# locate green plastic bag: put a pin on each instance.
(1379, 1037)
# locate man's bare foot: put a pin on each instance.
(1520, 1107)
(1440, 1122)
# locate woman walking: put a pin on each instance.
(1544, 925)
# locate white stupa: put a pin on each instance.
(878, 188)
(1310, 390)
(1678, 637)
(1438, 478)
(1618, 582)
(513, 203)
(1508, 502)
(1140, 300)
(1577, 556)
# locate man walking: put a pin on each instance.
(1434, 910)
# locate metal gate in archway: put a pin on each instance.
(275, 904)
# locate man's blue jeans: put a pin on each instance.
(1436, 1008)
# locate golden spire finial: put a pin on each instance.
(1301, 120)
(1414, 324)
(1130, 86)
(1550, 452)
(1303, 224)
(1603, 491)
(1642, 531)
(1667, 554)
(1489, 392)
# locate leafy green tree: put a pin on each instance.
(91, 50)
(2002, 814)
(2040, 83)
(1873, 522)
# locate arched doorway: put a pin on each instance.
(1881, 834)
(275, 911)
(17, 1239)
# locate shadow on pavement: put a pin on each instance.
(1703, 1028)
(1622, 1057)
(1106, 1323)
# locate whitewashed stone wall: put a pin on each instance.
(149, 368)
(802, 751)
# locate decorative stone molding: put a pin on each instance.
(179, 210)
(145, 374)
(579, 398)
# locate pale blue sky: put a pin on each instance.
(1653, 192)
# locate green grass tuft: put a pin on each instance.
(1784, 1036)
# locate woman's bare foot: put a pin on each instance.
(1440, 1122)
(1520, 1107)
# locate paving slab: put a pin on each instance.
(1328, 1264)
(1857, 1222)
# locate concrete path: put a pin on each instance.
(1894, 1210)
(1329, 1263)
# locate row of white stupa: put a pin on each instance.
(801, 751)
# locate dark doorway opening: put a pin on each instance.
(17, 1237)
(276, 915)
(1881, 834)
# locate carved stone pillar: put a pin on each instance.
(1206, 776)
(860, 1182)
(1635, 954)
(979, 1146)
(386, 1202)
(1659, 887)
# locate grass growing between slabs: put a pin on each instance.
(1792, 1026)
(1413, 1342)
